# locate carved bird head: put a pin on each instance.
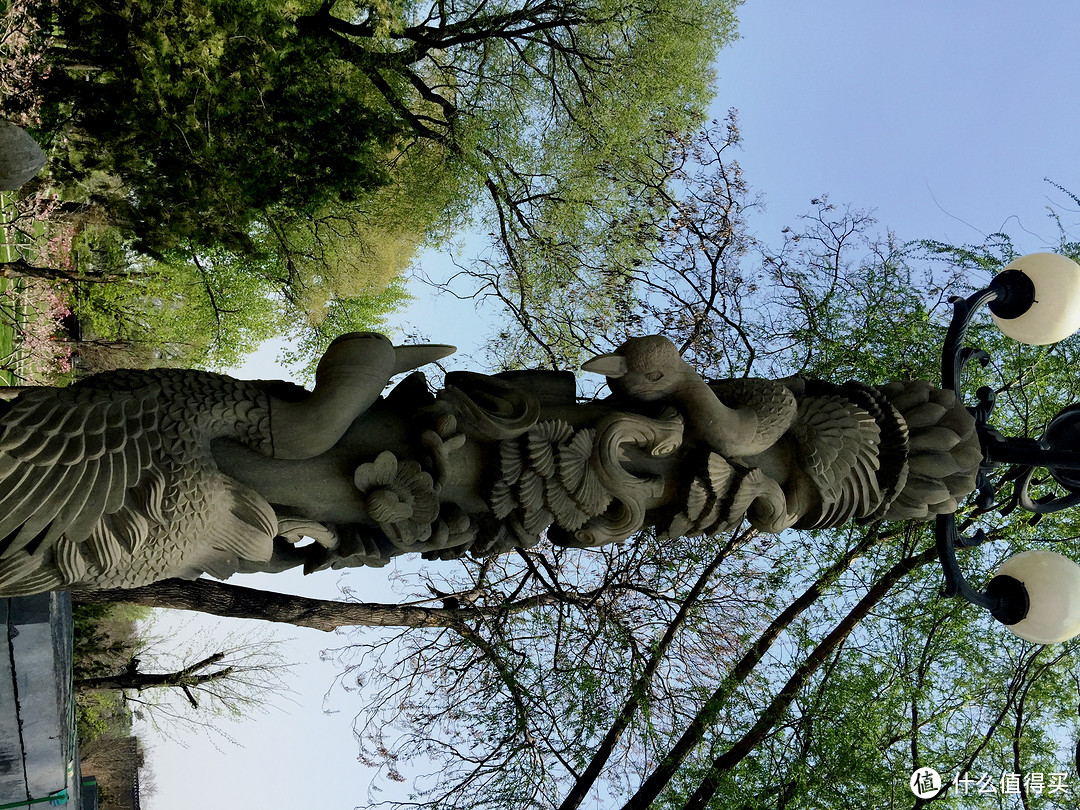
(645, 368)
(649, 369)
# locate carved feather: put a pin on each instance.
(103, 481)
(838, 443)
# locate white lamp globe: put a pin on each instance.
(1055, 314)
(1053, 586)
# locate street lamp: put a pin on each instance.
(1036, 594)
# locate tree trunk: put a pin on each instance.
(238, 602)
(768, 716)
(235, 601)
(131, 678)
(20, 268)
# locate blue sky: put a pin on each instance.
(942, 117)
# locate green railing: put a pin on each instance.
(57, 799)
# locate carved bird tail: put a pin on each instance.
(23, 575)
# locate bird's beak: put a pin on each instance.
(610, 365)
(409, 357)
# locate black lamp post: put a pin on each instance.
(1036, 594)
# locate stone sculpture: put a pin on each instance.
(134, 476)
(20, 157)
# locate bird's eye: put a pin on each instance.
(653, 376)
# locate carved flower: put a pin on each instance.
(400, 497)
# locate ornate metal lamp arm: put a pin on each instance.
(1009, 296)
(1007, 599)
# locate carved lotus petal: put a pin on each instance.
(420, 488)
(385, 506)
(377, 473)
(400, 497)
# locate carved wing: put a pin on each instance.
(838, 451)
(70, 460)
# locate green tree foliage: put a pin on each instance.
(564, 115)
(211, 308)
(676, 271)
(556, 111)
(359, 313)
(206, 310)
(812, 669)
(103, 640)
(217, 123)
(322, 143)
(803, 670)
(209, 114)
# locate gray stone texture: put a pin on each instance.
(20, 157)
(131, 477)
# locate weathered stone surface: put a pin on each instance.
(20, 157)
(131, 477)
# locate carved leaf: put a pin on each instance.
(554, 431)
(566, 510)
(697, 498)
(925, 415)
(521, 535)
(511, 463)
(541, 455)
(536, 522)
(680, 526)
(719, 473)
(531, 492)
(574, 459)
(502, 499)
(591, 494)
(935, 465)
(905, 396)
